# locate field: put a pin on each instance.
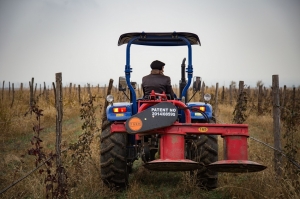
(24, 130)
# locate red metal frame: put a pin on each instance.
(235, 136)
(192, 128)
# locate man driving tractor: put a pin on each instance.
(157, 81)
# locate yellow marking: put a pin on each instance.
(203, 129)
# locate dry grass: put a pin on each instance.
(84, 180)
(15, 141)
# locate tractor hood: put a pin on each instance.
(160, 38)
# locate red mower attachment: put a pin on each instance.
(160, 117)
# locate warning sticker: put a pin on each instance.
(135, 124)
(203, 129)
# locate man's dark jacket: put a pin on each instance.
(157, 82)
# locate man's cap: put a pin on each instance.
(157, 65)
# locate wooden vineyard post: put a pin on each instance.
(3, 90)
(241, 86)
(45, 88)
(241, 90)
(223, 95)
(34, 94)
(70, 89)
(8, 90)
(240, 106)
(276, 125)
(104, 90)
(202, 91)
(216, 99)
(249, 91)
(283, 102)
(31, 92)
(105, 123)
(54, 89)
(230, 94)
(61, 180)
(75, 91)
(259, 100)
(89, 90)
(47, 93)
(265, 91)
(44, 92)
(293, 99)
(70, 92)
(21, 90)
(79, 98)
(13, 95)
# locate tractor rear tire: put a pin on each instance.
(205, 150)
(113, 159)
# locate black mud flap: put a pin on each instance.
(158, 116)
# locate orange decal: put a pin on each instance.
(135, 124)
(202, 129)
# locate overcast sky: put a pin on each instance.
(241, 40)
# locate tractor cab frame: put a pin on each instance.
(159, 39)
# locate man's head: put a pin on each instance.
(157, 65)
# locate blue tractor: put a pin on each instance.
(168, 135)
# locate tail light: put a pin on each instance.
(201, 108)
(119, 110)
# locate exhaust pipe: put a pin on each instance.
(182, 82)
